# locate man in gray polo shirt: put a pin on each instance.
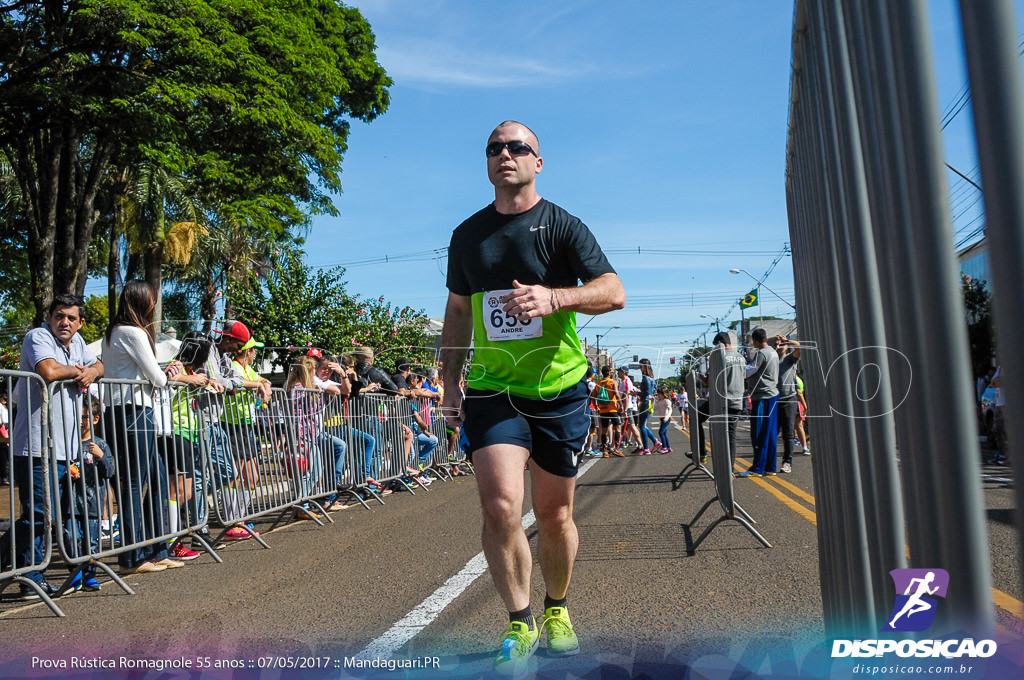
(55, 351)
(763, 382)
(788, 352)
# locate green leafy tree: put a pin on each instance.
(227, 253)
(692, 360)
(294, 308)
(10, 353)
(251, 101)
(96, 318)
(15, 302)
(159, 223)
(980, 330)
(180, 312)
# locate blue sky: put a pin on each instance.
(662, 126)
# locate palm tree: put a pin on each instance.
(158, 219)
(15, 284)
(225, 255)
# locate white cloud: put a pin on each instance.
(432, 44)
(432, 62)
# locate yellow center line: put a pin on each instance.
(792, 488)
(1004, 601)
(1008, 603)
(797, 491)
(789, 502)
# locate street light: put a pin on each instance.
(708, 316)
(599, 343)
(761, 283)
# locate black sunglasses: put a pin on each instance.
(515, 147)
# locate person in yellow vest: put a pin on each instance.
(239, 418)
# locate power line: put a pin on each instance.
(963, 97)
(736, 301)
(441, 253)
(957, 194)
(640, 250)
(419, 256)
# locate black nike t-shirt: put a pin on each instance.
(543, 246)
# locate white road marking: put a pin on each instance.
(425, 612)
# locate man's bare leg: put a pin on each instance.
(557, 543)
(557, 536)
(500, 480)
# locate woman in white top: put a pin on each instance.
(129, 351)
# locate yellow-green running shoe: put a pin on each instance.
(562, 640)
(516, 649)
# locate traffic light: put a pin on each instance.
(636, 357)
(671, 360)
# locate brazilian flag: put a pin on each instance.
(749, 300)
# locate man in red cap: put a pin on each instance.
(235, 330)
(232, 337)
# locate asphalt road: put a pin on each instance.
(643, 601)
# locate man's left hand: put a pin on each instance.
(87, 375)
(528, 302)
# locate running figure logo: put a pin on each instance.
(914, 611)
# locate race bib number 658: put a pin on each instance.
(501, 326)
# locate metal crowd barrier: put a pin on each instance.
(338, 422)
(290, 468)
(161, 462)
(198, 457)
(373, 415)
(411, 443)
(721, 458)
(309, 459)
(247, 442)
(694, 464)
(389, 422)
(23, 519)
(405, 455)
(84, 476)
(448, 458)
(869, 210)
(997, 98)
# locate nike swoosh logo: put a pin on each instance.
(543, 226)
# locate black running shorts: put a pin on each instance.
(554, 430)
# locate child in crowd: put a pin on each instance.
(305, 462)
(95, 468)
(684, 409)
(426, 441)
(663, 411)
(184, 450)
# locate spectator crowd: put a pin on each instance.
(140, 449)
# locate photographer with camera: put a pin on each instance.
(788, 351)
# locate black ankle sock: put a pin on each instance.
(549, 602)
(523, 616)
